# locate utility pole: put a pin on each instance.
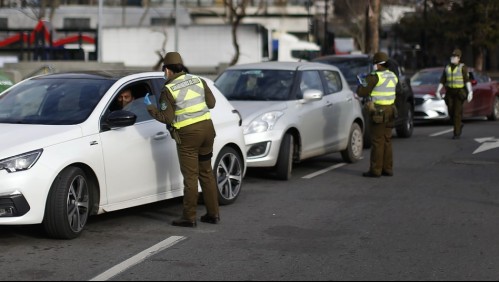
(99, 34)
(326, 38)
(176, 25)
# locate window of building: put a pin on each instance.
(162, 21)
(76, 23)
(4, 23)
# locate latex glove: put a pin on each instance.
(361, 79)
(147, 101)
(439, 88)
(470, 91)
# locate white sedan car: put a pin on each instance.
(68, 151)
(294, 111)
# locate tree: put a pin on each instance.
(456, 24)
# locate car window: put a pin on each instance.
(52, 101)
(310, 80)
(138, 90)
(426, 77)
(333, 81)
(256, 85)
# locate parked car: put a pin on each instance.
(485, 100)
(294, 111)
(353, 65)
(69, 152)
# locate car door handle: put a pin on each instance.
(329, 104)
(160, 135)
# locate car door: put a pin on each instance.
(312, 115)
(141, 161)
(339, 109)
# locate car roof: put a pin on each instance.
(283, 66)
(342, 57)
(93, 74)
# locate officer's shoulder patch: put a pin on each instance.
(163, 106)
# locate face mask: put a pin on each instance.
(454, 60)
(375, 67)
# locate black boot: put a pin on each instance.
(184, 222)
(210, 219)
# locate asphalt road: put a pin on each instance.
(436, 219)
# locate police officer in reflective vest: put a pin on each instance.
(380, 91)
(184, 106)
(457, 83)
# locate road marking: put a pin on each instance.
(117, 269)
(312, 175)
(488, 143)
(442, 132)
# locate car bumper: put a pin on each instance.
(262, 149)
(429, 108)
(23, 196)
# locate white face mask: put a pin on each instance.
(375, 67)
(454, 60)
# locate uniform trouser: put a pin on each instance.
(381, 143)
(195, 152)
(454, 99)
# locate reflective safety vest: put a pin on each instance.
(190, 103)
(455, 77)
(384, 91)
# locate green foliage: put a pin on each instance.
(450, 24)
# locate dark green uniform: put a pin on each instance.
(195, 149)
(381, 120)
(456, 93)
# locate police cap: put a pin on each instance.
(456, 52)
(380, 58)
(172, 58)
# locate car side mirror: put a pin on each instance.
(312, 95)
(118, 119)
(474, 82)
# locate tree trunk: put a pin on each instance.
(374, 26)
(235, 25)
(479, 58)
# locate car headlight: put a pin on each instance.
(20, 162)
(263, 123)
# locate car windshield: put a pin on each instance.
(426, 77)
(51, 101)
(256, 85)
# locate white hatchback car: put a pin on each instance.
(294, 111)
(68, 151)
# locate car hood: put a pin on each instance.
(21, 138)
(425, 89)
(251, 109)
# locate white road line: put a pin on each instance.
(442, 133)
(115, 270)
(312, 175)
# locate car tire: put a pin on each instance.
(405, 129)
(229, 170)
(68, 205)
(284, 164)
(495, 110)
(353, 152)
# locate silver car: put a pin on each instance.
(294, 111)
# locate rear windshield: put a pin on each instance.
(256, 85)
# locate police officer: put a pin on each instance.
(380, 90)
(456, 80)
(184, 106)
